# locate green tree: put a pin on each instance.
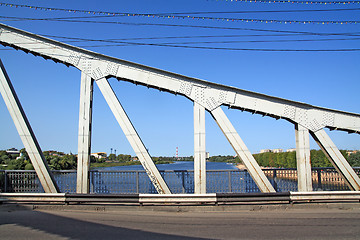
(4, 157)
(24, 153)
(68, 161)
(354, 159)
(29, 166)
(123, 158)
(112, 157)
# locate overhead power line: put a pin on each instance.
(125, 41)
(268, 11)
(175, 16)
(182, 25)
(243, 49)
(72, 39)
(292, 1)
(184, 44)
(251, 1)
(222, 48)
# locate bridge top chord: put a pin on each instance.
(208, 94)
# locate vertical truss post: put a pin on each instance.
(199, 150)
(240, 148)
(132, 136)
(84, 135)
(26, 134)
(337, 159)
(303, 159)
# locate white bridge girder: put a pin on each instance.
(199, 150)
(303, 159)
(84, 136)
(208, 95)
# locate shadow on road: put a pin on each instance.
(46, 223)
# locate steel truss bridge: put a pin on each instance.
(97, 68)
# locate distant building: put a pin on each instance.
(135, 159)
(352, 152)
(13, 151)
(55, 153)
(291, 150)
(265, 150)
(99, 155)
(277, 150)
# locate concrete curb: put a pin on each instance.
(179, 208)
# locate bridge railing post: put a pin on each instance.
(5, 181)
(92, 184)
(229, 178)
(275, 179)
(319, 178)
(137, 182)
(183, 181)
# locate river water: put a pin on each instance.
(179, 176)
(177, 166)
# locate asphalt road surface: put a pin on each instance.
(72, 223)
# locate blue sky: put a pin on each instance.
(49, 92)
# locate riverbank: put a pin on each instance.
(121, 164)
(325, 177)
(112, 164)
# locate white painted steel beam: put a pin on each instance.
(178, 198)
(327, 196)
(132, 136)
(208, 94)
(337, 159)
(199, 150)
(84, 135)
(303, 159)
(26, 134)
(242, 151)
(35, 197)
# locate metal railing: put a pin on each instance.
(218, 181)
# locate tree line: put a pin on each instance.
(61, 161)
(55, 160)
(288, 159)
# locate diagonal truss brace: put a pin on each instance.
(132, 136)
(241, 150)
(26, 134)
(337, 159)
